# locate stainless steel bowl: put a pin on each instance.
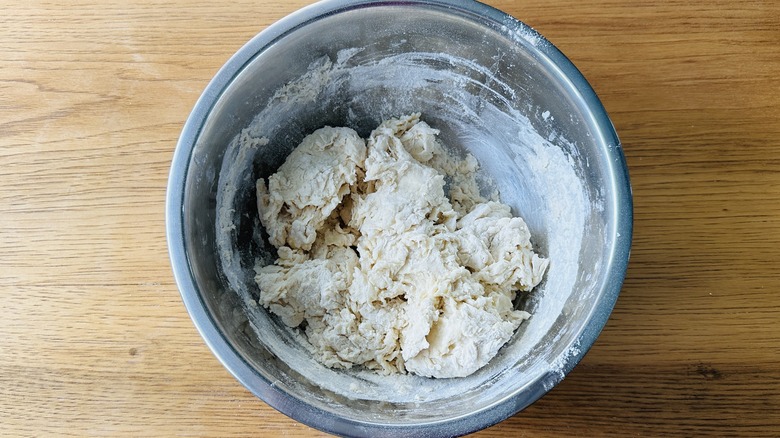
(495, 88)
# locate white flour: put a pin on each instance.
(528, 169)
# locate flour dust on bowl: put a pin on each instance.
(494, 89)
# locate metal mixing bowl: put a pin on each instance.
(495, 88)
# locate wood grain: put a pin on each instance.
(94, 339)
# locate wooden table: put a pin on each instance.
(94, 339)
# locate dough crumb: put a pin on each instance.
(379, 266)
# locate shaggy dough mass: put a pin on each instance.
(379, 266)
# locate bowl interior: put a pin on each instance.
(494, 89)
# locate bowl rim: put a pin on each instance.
(326, 421)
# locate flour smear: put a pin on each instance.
(476, 113)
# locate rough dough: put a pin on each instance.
(382, 269)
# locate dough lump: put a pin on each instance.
(379, 266)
